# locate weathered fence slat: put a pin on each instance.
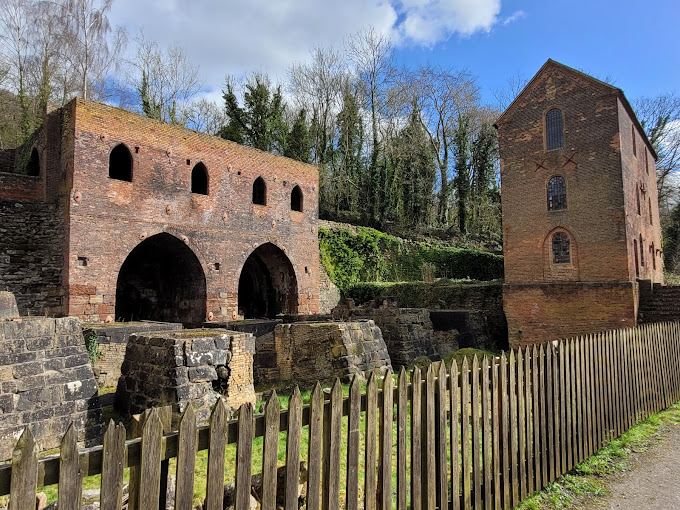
(514, 449)
(333, 428)
(563, 364)
(476, 437)
(465, 432)
(454, 443)
(314, 449)
(24, 472)
(529, 421)
(270, 451)
(402, 414)
(550, 455)
(186, 460)
(542, 388)
(70, 474)
(441, 422)
(557, 416)
(487, 447)
(428, 443)
(496, 432)
(536, 415)
(416, 437)
(352, 492)
(386, 418)
(521, 426)
(218, 439)
(370, 486)
(505, 433)
(572, 437)
(113, 462)
(293, 449)
(150, 466)
(244, 456)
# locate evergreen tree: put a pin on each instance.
(349, 169)
(462, 179)
(298, 141)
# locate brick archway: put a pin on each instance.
(161, 280)
(267, 284)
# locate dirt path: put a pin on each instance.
(654, 480)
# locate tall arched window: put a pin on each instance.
(33, 167)
(635, 250)
(650, 212)
(557, 193)
(554, 127)
(653, 257)
(637, 196)
(642, 252)
(561, 249)
(259, 192)
(296, 199)
(120, 163)
(199, 179)
(632, 135)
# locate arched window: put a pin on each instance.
(561, 253)
(650, 212)
(296, 199)
(635, 250)
(33, 167)
(642, 252)
(199, 179)
(646, 160)
(632, 134)
(259, 192)
(653, 257)
(637, 195)
(553, 129)
(120, 163)
(557, 194)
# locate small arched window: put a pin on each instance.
(199, 179)
(642, 252)
(33, 167)
(120, 163)
(635, 251)
(557, 193)
(632, 135)
(561, 248)
(650, 212)
(637, 196)
(653, 257)
(296, 199)
(259, 192)
(554, 127)
(646, 160)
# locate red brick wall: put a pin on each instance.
(110, 217)
(549, 311)
(20, 187)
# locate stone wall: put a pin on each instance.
(46, 382)
(329, 293)
(308, 352)
(186, 367)
(112, 341)
(31, 256)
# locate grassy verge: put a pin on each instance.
(589, 479)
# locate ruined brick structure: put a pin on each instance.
(122, 217)
(580, 210)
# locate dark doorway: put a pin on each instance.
(33, 167)
(267, 286)
(161, 280)
(120, 163)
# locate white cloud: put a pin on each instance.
(514, 17)
(238, 36)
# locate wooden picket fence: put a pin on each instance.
(486, 435)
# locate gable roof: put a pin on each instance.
(579, 74)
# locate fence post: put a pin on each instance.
(24, 479)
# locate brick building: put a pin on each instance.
(579, 203)
(108, 214)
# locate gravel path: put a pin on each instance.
(654, 480)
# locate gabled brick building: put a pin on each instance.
(580, 210)
(120, 216)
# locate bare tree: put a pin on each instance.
(91, 45)
(14, 25)
(505, 96)
(205, 116)
(165, 80)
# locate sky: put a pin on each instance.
(633, 43)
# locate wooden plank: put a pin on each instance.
(315, 449)
(133, 486)
(580, 408)
(24, 472)
(588, 396)
(70, 475)
(352, 493)
(292, 488)
(536, 426)
(514, 447)
(528, 420)
(218, 438)
(402, 415)
(441, 424)
(186, 459)
(270, 452)
(601, 401)
(521, 426)
(495, 433)
(428, 443)
(550, 410)
(505, 433)
(244, 457)
(544, 419)
(386, 430)
(557, 415)
(370, 489)
(454, 443)
(487, 447)
(572, 396)
(416, 438)
(150, 468)
(465, 433)
(113, 462)
(331, 477)
(564, 420)
(476, 437)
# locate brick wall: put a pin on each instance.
(31, 257)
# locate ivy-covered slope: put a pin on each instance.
(369, 255)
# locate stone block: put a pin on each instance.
(8, 306)
(202, 374)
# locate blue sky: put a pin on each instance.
(634, 43)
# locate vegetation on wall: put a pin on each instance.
(373, 256)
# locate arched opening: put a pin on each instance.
(259, 192)
(557, 193)
(199, 179)
(120, 163)
(296, 199)
(161, 280)
(554, 127)
(33, 167)
(267, 286)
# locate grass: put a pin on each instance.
(589, 479)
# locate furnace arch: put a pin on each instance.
(161, 280)
(267, 285)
